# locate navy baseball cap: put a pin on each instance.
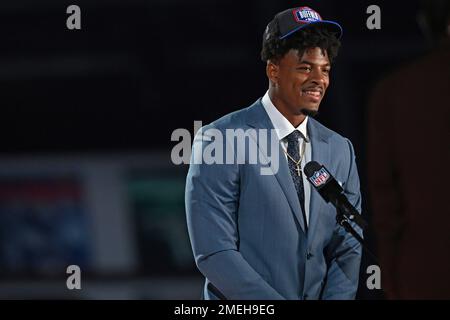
(291, 20)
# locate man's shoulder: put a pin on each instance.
(328, 134)
(238, 120)
(233, 120)
(339, 147)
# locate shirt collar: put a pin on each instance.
(282, 125)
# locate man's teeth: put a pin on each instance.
(313, 93)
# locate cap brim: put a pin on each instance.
(331, 25)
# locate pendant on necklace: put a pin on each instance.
(299, 171)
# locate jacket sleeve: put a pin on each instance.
(212, 200)
(344, 252)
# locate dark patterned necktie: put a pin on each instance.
(293, 150)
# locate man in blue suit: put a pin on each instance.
(271, 236)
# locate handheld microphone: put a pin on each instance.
(322, 180)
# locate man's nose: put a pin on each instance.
(317, 76)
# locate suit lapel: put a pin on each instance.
(258, 118)
(321, 154)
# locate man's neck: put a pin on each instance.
(294, 119)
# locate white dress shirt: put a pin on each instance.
(283, 128)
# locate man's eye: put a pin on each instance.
(326, 71)
(304, 68)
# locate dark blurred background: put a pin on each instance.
(87, 117)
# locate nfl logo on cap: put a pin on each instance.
(305, 15)
(291, 20)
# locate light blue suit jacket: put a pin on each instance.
(246, 229)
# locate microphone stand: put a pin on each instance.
(343, 220)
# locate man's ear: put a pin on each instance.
(272, 70)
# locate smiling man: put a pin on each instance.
(271, 236)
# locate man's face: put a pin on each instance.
(300, 81)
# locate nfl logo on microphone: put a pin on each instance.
(319, 177)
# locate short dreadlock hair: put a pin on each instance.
(310, 37)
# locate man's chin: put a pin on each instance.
(310, 112)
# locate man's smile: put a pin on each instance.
(315, 93)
